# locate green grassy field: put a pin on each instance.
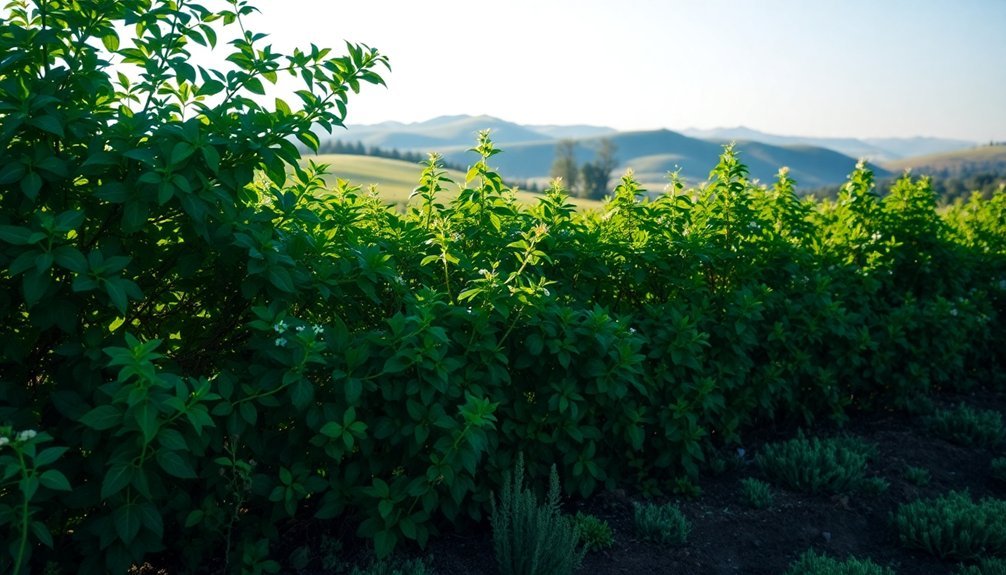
(396, 179)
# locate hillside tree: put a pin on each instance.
(596, 174)
(564, 166)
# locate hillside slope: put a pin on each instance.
(396, 179)
(960, 164)
(652, 154)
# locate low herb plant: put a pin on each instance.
(810, 563)
(664, 524)
(814, 465)
(756, 493)
(531, 538)
(873, 485)
(968, 426)
(918, 476)
(595, 533)
(953, 526)
(997, 468)
(389, 566)
(985, 566)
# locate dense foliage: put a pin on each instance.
(201, 345)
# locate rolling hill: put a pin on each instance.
(396, 179)
(652, 154)
(873, 149)
(529, 150)
(959, 164)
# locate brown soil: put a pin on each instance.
(729, 537)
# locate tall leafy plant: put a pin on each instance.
(134, 245)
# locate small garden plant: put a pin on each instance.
(756, 493)
(392, 567)
(953, 526)
(810, 563)
(814, 465)
(918, 476)
(531, 538)
(595, 533)
(664, 524)
(985, 566)
(966, 426)
(998, 468)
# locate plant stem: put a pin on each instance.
(24, 518)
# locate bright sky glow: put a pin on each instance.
(858, 68)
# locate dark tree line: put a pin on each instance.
(358, 149)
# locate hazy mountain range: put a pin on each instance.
(529, 150)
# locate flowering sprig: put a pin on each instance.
(24, 467)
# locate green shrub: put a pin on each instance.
(756, 493)
(874, 485)
(953, 526)
(533, 539)
(998, 468)
(663, 524)
(985, 566)
(813, 465)
(595, 533)
(811, 563)
(966, 426)
(394, 567)
(917, 475)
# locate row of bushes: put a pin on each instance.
(202, 343)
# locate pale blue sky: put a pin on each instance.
(856, 68)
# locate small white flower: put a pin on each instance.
(318, 329)
(299, 328)
(632, 330)
(280, 327)
(280, 342)
(483, 272)
(876, 236)
(26, 435)
(4, 441)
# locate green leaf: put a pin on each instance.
(194, 518)
(110, 41)
(174, 464)
(49, 124)
(116, 479)
(102, 417)
(280, 278)
(31, 184)
(70, 258)
(301, 394)
(116, 293)
(55, 480)
(332, 429)
(254, 85)
(127, 522)
(41, 532)
(172, 440)
(15, 235)
(34, 284)
(49, 455)
(151, 518)
(384, 543)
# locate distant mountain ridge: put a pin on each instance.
(872, 149)
(530, 149)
